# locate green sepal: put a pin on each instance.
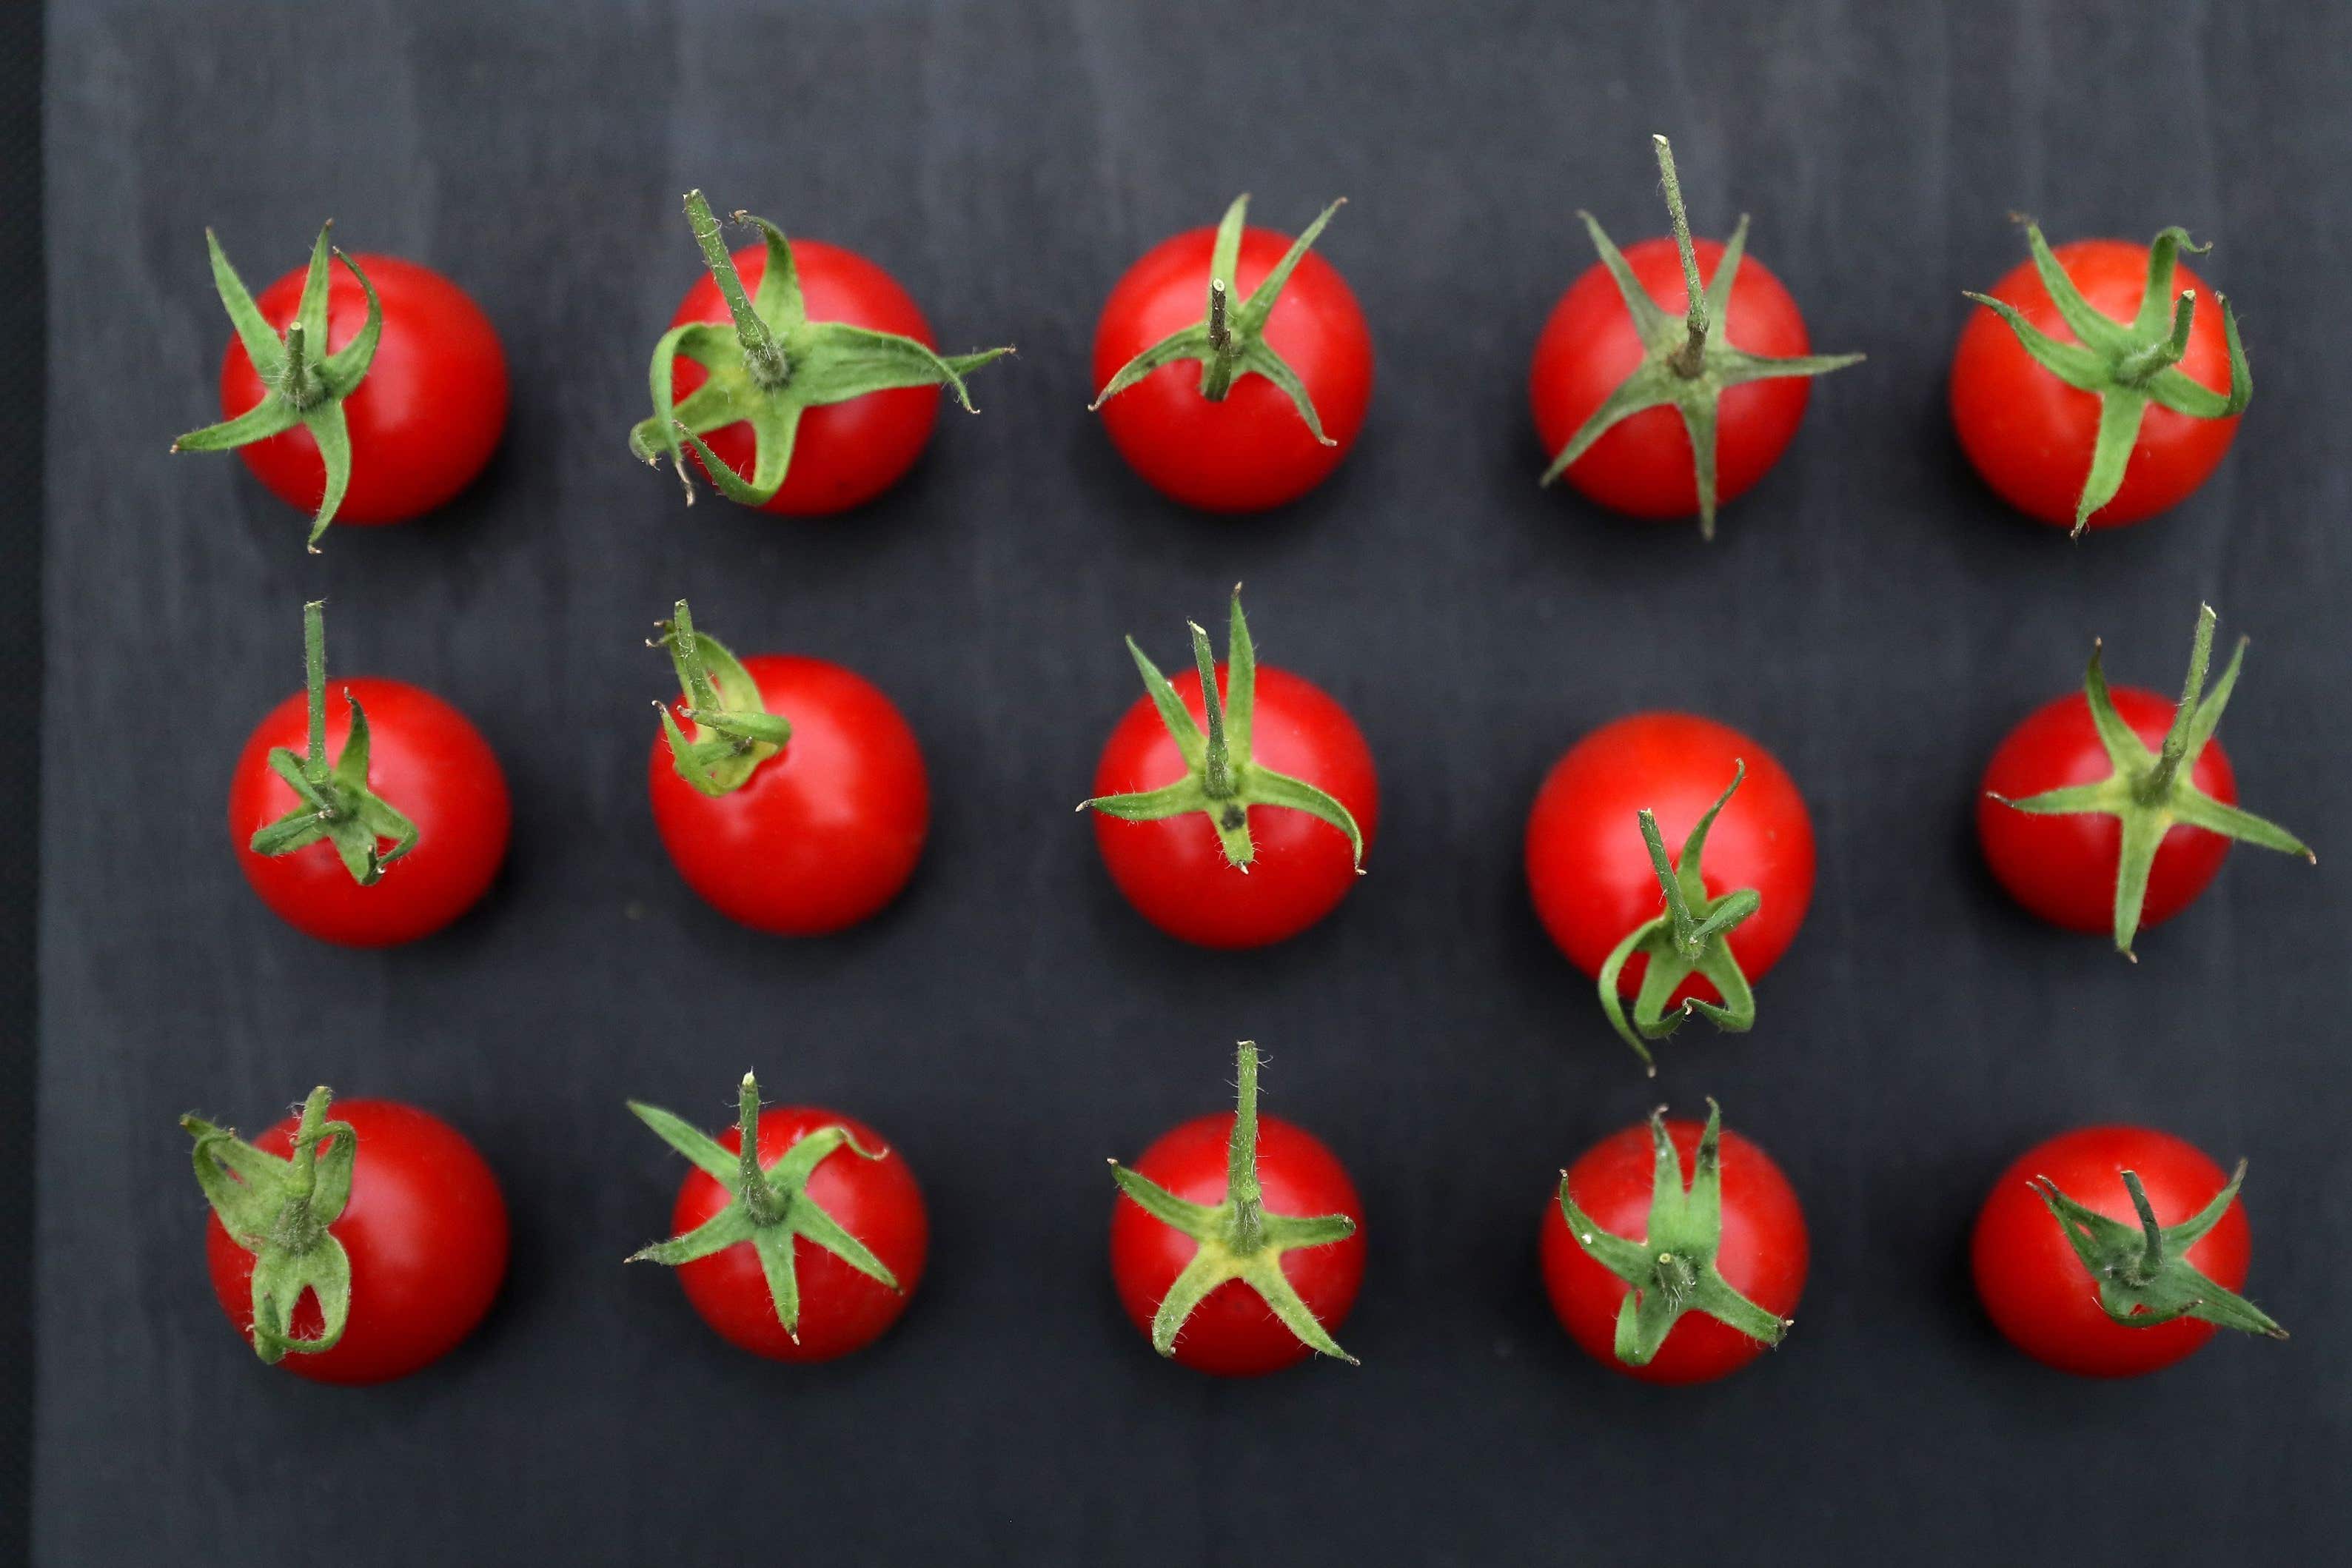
(2143, 1271)
(770, 1204)
(304, 385)
(336, 802)
(280, 1209)
(1686, 365)
(1221, 777)
(2126, 364)
(1690, 936)
(770, 366)
(734, 731)
(1229, 340)
(1672, 1267)
(1237, 1238)
(2150, 792)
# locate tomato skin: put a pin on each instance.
(425, 1230)
(1763, 1256)
(427, 761)
(423, 420)
(2063, 868)
(2038, 1292)
(1232, 1333)
(1252, 451)
(2030, 435)
(845, 454)
(826, 832)
(1641, 465)
(1175, 871)
(842, 1310)
(1589, 873)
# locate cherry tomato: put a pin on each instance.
(1641, 465)
(1590, 871)
(423, 420)
(1762, 1253)
(2063, 868)
(841, 1310)
(1175, 871)
(845, 454)
(824, 833)
(1232, 1333)
(425, 1230)
(1252, 450)
(427, 761)
(2030, 435)
(2039, 1292)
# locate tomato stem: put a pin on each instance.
(1690, 362)
(763, 357)
(1241, 1190)
(2142, 363)
(1217, 370)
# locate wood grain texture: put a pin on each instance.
(1870, 612)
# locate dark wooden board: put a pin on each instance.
(1870, 612)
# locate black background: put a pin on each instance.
(1870, 613)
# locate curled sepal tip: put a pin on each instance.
(1687, 361)
(733, 730)
(1221, 777)
(280, 1209)
(2127, 366)
(2152, 792)
(1689, 937)
(1229, 340)
(769, 364)
(1238, 1238)
(302, 383)
(769, 1206)
(2143, 1271)
(336, 802)
(1672, 1267)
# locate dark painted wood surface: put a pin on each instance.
(1870, 612)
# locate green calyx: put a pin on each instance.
(1687, 363)
(770, 1204)
(1238, 1238)
(1690, 937)
(771, 365)
(1672, 1267)
(2126, 364)
(2150, 790)
(1222, 778)
(733, 730)
(2143, 1271)
(1229, 340)
(306, 384)
(336, 802)
(280, 1210)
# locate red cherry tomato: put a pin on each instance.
(2030, 435)
(877, 1201)
(1641, 465)
(1590, 874)
(425, 1230)
(1175, 871)
(1763, 1253)
(2063, 868)
(827, 831)
(2037, 1289)
(845, 454)
(1232, 1333)
(1252, 450)
(423, 421)
(425, 760)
